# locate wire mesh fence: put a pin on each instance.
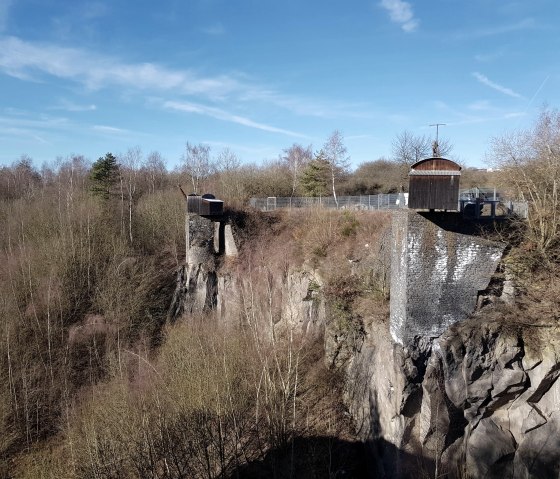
(375, 202)
(364, 202)
(517, 208)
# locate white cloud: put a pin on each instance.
(223, 115)
(489, 57)
(109, 129)
(496, 86)
(74, 107)
(33, 61)
(401, 13)
(23, 60)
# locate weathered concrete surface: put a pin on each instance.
(197, 281)
(229, 241)
(435, 276)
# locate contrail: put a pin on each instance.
(531, 100)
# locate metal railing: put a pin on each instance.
(493, 195)
(517, 208)
(369, 203)
(363, 202)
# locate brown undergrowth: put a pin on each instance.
(215, 399)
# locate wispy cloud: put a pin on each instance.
(477, 112)
(73, 107)
(223, 115)
(485, 119)
(25, 134)
(109, 129)
(32, 61)
(525, 24)
(25, 60)
(32, 120)
(489, 57)
(495, 86)
(480, 105)
(307, 106)
(401, 13)
(29, 125)
(4, 12)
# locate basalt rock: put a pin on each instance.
(483, 403)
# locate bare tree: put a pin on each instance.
(296, 158)
(335, 153)
(228, 169)
(27, 179)
(529, 161)
(197, 164)
(227, 160)
(409, 148)
(154, 171)
(131, 162)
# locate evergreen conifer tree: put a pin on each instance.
(315, 177)
(103, 175)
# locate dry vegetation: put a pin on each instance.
(94, 383)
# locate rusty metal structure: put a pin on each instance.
(205, 205)
(434, 185)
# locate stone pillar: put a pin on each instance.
(435, 276)
(200, 277)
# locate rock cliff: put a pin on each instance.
(474, 398)
(481, 400)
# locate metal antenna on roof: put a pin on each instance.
(435, 145)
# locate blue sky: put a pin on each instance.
(257, 76)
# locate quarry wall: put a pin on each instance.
(434, 392)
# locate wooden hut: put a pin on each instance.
(434, 185)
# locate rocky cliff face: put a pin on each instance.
(455, 397)
(273, 300)
(479, 401)
(478, 398)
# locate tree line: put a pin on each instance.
(88, 253)
(299, 170)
